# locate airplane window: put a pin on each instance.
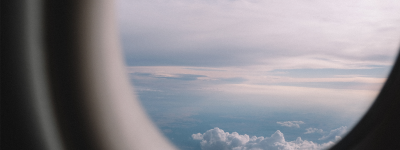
(243, 74)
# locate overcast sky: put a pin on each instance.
(285, 34)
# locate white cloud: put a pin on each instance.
(338, 138)
(335, 134)
(313, 130)
(291, 123)
(217, 139)
(197, 136)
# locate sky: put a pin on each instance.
(254, 74)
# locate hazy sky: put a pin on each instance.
(291, 34)
(303, 55)
(261, 45)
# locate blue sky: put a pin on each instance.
(309, 69)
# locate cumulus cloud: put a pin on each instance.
(335, 134)
(295, 124)
(217, 139)
(313, 130)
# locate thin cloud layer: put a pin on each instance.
(217, 139)
(295, 124)
(313, 130)
(258, 87)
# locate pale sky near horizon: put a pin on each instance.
(330, 56)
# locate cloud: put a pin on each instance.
(247, 32)
(335, 134)
(313, 130)
(217, 139)
(291, 123)
(185, 77)
(372, 71)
